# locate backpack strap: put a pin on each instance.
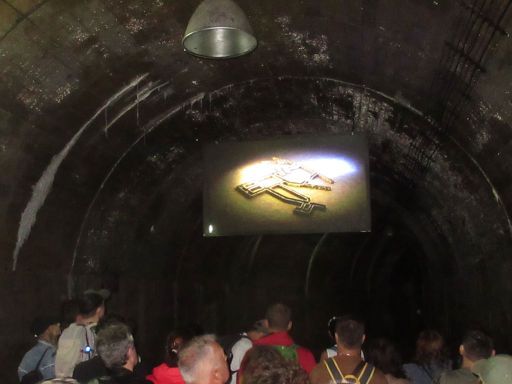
(427, 371)
(334, 370)
(358, 370)
(41, 359)
(366, 374)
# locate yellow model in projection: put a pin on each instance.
(283, 175)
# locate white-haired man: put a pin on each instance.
(202, 361)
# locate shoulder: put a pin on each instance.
(29, 355)
(243, 342)
(38, 349)
(319, 374)
(240, 348)
(304, 350)
(378, 377)
(394, 380)
(70, 331)
(306, 359)
(411, 367)
(455, 374)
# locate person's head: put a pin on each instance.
(494, 370)
(257, 330)
(46, 328)
(91, 306)
(115, 346)
(263, 364)
(384, 355)
(429, 347)
(69, 312)
(476, 346)
(350, 332)
(278, 317)
(174, 341)
(202, 361)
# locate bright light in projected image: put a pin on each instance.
(331, 167)
(257, 171)
(297, 184)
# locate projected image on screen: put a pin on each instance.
(280, 178)
(299, 185)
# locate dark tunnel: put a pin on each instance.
(103, 118)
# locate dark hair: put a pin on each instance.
(68, 311)
(89, 302)
(383, 354)
(350, 331)
(331, 326)
(477, 345)
(278, 316)
(429, 347)
(263, 364)
(174, 341)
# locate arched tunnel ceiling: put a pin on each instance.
(102, 118)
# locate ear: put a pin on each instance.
(131, 356)
(265, 323)
(217, 374)
(290, 325)
(461, 350)
(364, 339)
(493, 353)
(337, 339)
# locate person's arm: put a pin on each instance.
(323, 356)
(317, 376)
(47, 367)
(23, 368)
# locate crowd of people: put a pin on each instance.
(99, 349)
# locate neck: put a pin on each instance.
(350, 352)
(46, 339)
(88, 321)
(466, 363)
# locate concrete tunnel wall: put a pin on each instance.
(103, 119)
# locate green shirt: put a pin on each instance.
(458, 376)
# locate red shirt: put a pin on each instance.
(306, 358)
(163, 374)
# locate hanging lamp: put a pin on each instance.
(219, 29)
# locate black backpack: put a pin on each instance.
(362, 374)
(35, 375)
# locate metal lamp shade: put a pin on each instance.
(219, 29)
